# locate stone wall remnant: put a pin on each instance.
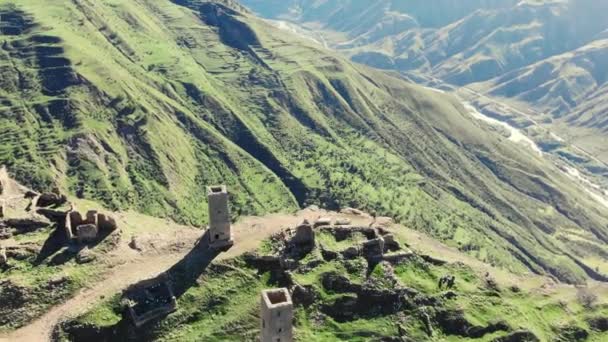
(276, 316)
(373, 249)
(322, 222)
(88, 227)
(86, 233)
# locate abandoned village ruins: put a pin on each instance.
(23, 210)
(153, 299)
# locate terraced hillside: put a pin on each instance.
(141, 104)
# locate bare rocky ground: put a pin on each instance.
(144, 247)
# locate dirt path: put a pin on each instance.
(248, 234)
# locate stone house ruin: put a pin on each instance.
(276, 316)
(89, 227)
(220, 233)
(149, 300)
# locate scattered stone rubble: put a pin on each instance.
(149, 300)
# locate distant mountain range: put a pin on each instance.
(549, 55)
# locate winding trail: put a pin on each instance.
(248, 234)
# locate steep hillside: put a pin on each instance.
(548, 55)
(141, 104)
(341, 296)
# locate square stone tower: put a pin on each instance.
(220, 233)
(277, 316)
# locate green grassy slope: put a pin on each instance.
(141, 104)
(353, 301)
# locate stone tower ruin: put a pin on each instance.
(220, 234)
(277, 316)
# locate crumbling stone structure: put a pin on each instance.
(89, 227)
(277, 316)
(305, 236)
(2, 208)
(220, 232)
(373, 250)
(150, 299)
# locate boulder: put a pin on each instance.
(598, 323)
(85, 256)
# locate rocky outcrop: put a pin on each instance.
(27, 224)
(454, 323)
(48, 199)
(572, 333)
(303, 295)
(598, 323)
(518, 336)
